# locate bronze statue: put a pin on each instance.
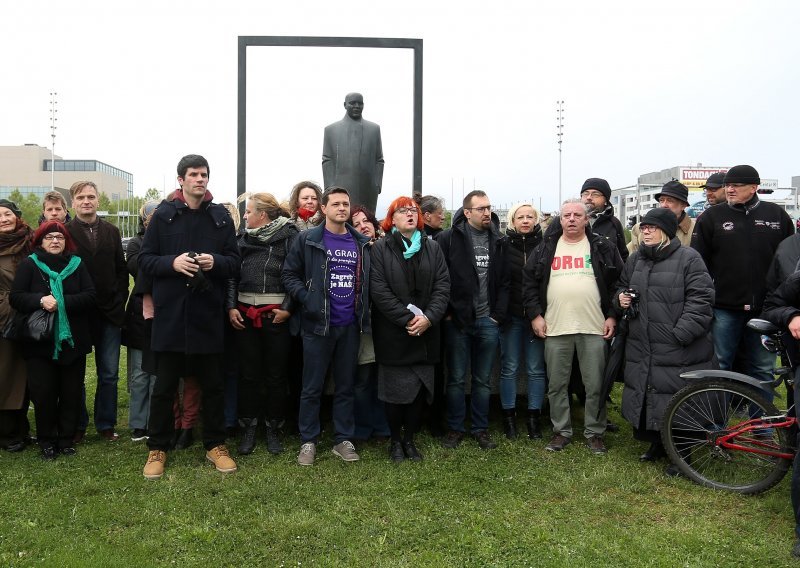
(352, 156)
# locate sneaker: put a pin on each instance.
(346, 450)
(49, 453)
(68, 451)
(139, 435)
(452, 439)
(308, 452)
(596, 445)
(109, 435)
(154, 468)
(484, 440)
(557, 443)
(219, 456)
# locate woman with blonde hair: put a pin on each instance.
(517, 341)
(259, 309)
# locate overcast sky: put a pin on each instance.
(646, 86)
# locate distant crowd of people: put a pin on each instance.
(242, 322)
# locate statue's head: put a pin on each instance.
(354, 104)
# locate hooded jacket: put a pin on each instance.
(187, 319)
(456, 245)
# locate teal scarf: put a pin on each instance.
(61, 331)
(416, 242)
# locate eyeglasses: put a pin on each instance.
(647, 228)
(737, 185)
(592, 194)
(481, 210)
(406, 210)
(56, 237)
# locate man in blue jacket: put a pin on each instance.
(189, 251)
(327, 273)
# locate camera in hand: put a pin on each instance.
(632, 311)
(198, 282)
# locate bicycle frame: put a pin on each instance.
(728, 440)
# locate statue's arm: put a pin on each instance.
(379, 162)
(328, 157)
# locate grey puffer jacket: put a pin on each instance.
(671, 335)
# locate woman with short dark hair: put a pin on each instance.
(55, 280)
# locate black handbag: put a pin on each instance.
(35, 326)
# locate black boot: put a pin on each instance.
(534, 428)
(396, 453)
(247, 443)
(510, 424)
(654, 452)
(185, 439)
(274, 445)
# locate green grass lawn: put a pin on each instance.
(514, 506)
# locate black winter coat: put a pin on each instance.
(106, 265)
(456, 246)
(606, 264)
(785, 262)
(671, 335)
(31, 285)
(784, 303)
(133, 333)
(395, 282)
(520, 248)
(187, 320)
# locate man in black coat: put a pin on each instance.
(189, 251)
(737, 241)
(100, 248)
(475, 255)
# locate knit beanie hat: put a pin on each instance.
(598, 184)
(662, 218)
(742, 174)
(674, 189)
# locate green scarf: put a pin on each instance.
(61, 331)
(413, 248)
(266, 232)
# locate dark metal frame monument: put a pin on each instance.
(295, 41)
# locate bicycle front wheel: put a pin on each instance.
(699, 414)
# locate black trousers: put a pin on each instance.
(170, 368)
(263, 369)
(57, 395)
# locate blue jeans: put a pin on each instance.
(477, 345)
(140, 388)
(796, 466)
(338, 349)
(517, 339)
(731, 334)
(369, 413)
(107, 339)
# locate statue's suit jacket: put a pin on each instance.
(352, 158)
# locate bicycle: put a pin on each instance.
(723, 431)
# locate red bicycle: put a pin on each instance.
(723, 431)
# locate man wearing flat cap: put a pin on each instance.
(715, 190)
(737, 241)
(675, 197)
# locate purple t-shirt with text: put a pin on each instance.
(342, 253)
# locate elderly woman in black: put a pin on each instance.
(670, 334)
(410, 287)
(15, 244)
(259, 309)
(54, 279)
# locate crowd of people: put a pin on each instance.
(245, 327)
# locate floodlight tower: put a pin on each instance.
(559, 137)
(53, 119)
